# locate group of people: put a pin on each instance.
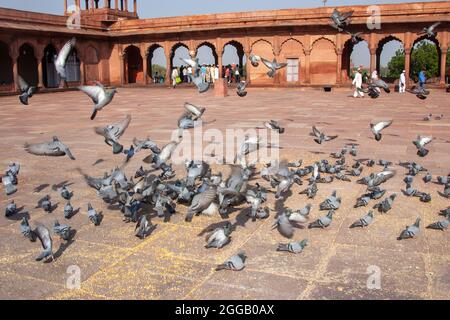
(208, 73)
(358, 81)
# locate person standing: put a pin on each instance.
(237, 74)
(402, 82)
(216, 73)
(174, 76)
(185, 77)
(203, 73)
(422, 79)
(189, 74)
(357, 82)
(227, 74)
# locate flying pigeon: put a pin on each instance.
(240, 89)
(25, 229)
(355, 37)
(254, 60)
(235, 263)
(61, 59)
(43, 235)
(284, 226)
(429, 31)
(100, 96)
(293, 247)
(26, 91)
(145, 144)
(378, 127)
(340, 20)
(113, 132)
(319, 137)
(273, 66)
(54, 148)
(410, 231)
(274, 125)
(420, 143)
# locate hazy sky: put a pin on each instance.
(158, 8)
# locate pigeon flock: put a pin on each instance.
(202, 191)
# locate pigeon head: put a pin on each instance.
(422, 152)
(242, 255)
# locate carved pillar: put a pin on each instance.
(339, 66)
(65, 6)
(168, 53)
(443, 63)
(219, 62)
(248, 67)
(122, 57)
(126, 5)
(135, 6)
(82, 72)
(145, 67)
(307, 63)
(106, 5)
(116, 5)
(277, 52)
(373, 59)
(40, 73)
(407, 65)
(15, 73)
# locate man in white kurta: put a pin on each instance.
(402, 82)
(357, 82)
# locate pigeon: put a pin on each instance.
(113, 132)
(420, 143)
(385, 205)
(254, 60)
(342, 177)
(293, 247)
(409, 191)
(43, 235)
(193, 63)
(143, 227)
(355, 37)
(201, 202)
(273, 66)
(256, 198)
(129, 153)
(68, 210)
(45, 204)
(26, 91)
(54, 148)
(159, 159)
(427, 178)
(440, 225)
(145, 144)
(219, 237)
(364, 221)
(439, 117)
(262, 213)
(378, 127)
(62, 230)
(13, 168)
(284, 226)
(7, 181)
(93, 215)
(322, 222)
(376, 179)
(10, 209)
(190, 117)
(65, 193)
(331, 203)
(200, 84)
(299, 216)
(100, 96)
(429, 31)
(25, 229)
(379, 84)
(61, 59)
(428, 117)
(446, 192)
(235, 263)
(362, 201)
(195, 170)
(240, 89)
(376, 192)
(410, 231)
(311, 191)
(443, 179)
(274, 125)
(319, 137)
(340, 20)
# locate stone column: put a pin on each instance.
(122, 68)
(40, 73)
(339, 66)
(407, 65)
(373, 59)
(15, 73)
(82, 72)
(135, 6)
(145, 68)
(167, 80)
(248, 67)
(106, 4)
(219, 63)
(91, 5)
(307, 63)
(126, 5)
(277, 79)
(65, 6)
(443, 64)
(116, 5)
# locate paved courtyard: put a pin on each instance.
(172, 262)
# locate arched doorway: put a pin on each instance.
(49, 74)
(27, 66)
(91, 65)
(6, 68)
(390, 59)
(156, 64)
(233, 53)
(133, 65)
(73, 73)
(354, 55)
(263, 49)
(206, 53)
(426, 53)
(293, 54)
(323, 62)
(180, 50)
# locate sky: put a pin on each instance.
(158, 8)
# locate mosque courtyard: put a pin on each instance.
(172, 263)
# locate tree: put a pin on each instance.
(425, 55)
(397, 64)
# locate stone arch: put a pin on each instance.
(379, 53)
(233, 53)
(292, 51)
(50, 77)
(262, 48)
(347, 53)
(73, 65)
(161, 70)
(133, 64)
(173, 52)
(91, 62)
(27, 65)
(323, 62)
(213, 51)
(260, 41)
(414, 65)
(6, 68)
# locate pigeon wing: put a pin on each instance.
(94, 92)
(43, 149)
(60, 62)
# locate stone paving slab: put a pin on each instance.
(172, 262)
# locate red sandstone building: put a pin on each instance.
(115, 47)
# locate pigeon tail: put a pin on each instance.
(94, 113)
